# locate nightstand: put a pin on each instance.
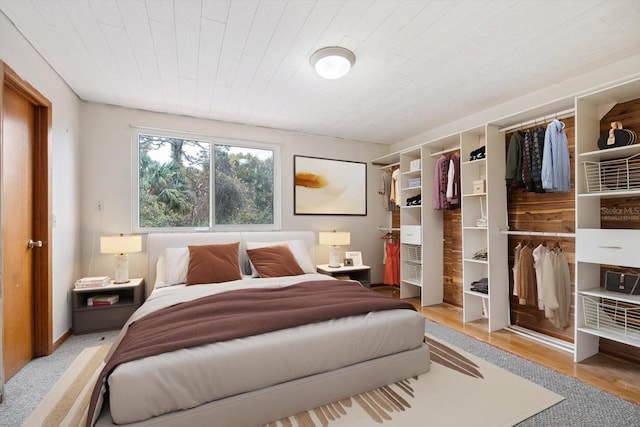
(87, 318)
(361, 273)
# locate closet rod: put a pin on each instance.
(559, 115)
(537, 233)
(389, 165)
(445, 151)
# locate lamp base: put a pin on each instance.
(334, 257)
(122, 269)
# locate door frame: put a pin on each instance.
(43, 322)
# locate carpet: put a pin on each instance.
(459, 390)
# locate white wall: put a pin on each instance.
(22, 58)
(554, 95)
(106, 171)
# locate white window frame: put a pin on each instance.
(135, 179)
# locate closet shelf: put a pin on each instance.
(474, 162)
(474, 195)
(415, 172)
(477, 261)
(610, 153)
(477, 294)
(412, 282)
(611, 194)
(412, 188)
(475, 228)
(602, 293)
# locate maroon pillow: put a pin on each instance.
(213, 264)
(274, 261)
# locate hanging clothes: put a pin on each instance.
(557, 288)
(392, 264)
(537, 150)
(384, 189)
(526, 277)
(516, 258)
(453, 182)
(441, 172)
(395, 187)
(539, 254)
(527, 146)
(513, 174)
(556, 167)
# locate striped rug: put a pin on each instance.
(459, 390)
(67, 401)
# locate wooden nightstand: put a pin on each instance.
(87, 318)
(361, 273)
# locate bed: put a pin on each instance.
(258, 377)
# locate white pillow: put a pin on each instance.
(172, 267)
(297, 247)
(161, 282)
(176, 265)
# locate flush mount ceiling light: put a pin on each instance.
(332, 62)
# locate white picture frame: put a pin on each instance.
(355, 256)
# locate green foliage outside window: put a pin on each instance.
(175, 184)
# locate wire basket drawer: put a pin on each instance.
(613, 175)
(611, 316)
(412, 253)
(411, 272)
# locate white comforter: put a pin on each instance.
(187, 378)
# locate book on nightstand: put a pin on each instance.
(102, 300)
(92, 282)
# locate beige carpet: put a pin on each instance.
(459, 390)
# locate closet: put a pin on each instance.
(448, 252)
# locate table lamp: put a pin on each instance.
(334, 239)
(121, 245)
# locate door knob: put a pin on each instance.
(34, 244)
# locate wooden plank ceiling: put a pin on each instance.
(419, 64)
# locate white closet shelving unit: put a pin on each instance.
(410, 226)
(486, 200)
(600, 313)
(594, 246)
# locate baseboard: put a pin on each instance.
(57, 343)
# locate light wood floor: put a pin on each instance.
(610, 374)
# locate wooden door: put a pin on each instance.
(25, 212)
(17, 229)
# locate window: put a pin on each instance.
(199, 182)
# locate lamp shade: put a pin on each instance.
(334, 238)
(120, 244)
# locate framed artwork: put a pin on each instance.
(356, 258)
(329, 187)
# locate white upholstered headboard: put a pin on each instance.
(156, 242)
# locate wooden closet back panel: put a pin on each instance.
(452, 260)
(548, 212)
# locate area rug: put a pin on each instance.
(66, 402)
(459, 390)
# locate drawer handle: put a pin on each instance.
(610, 247)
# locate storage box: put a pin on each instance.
(413, 182)
(414, 165)
(479, 187)
(411, 234)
